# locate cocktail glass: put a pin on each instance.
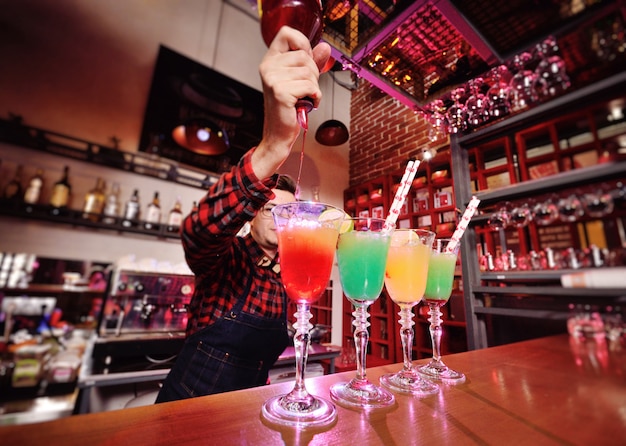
(307, 238)
(438, 290)
(362, 255)
(405, 280)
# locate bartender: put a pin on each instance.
(237, 323)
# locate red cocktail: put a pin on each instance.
(307, 237)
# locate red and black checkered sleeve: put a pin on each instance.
(208, 231)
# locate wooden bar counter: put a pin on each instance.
(544, 391)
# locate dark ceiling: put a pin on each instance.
(419, 51)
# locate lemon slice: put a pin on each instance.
(338, 215)
(403, 238)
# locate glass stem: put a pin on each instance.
(406, 335)
(435, 330)
(301, 341)
(361, 338)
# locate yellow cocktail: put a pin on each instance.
(406, 273)
(405, 280)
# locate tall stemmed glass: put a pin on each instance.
(438, 290)
(405, 280)
(362, 255)
(307, 238)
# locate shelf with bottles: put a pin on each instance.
(101, 206)
(557, 201)
(79, 218)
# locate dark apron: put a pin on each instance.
(235, 352)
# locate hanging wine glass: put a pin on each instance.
(551, 78)
(436, 118)
(500, 219)
(499, 93)
(598, 204)
(455, 114)
(521, 215)
(570, 208)
(619, 195)
(522, 83)
(545, 213)
(476, 111)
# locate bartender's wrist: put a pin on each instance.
(268, 157)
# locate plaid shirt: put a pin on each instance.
(224, 263)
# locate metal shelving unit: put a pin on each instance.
(531, 294)
(72, 217)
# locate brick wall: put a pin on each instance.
(384, 134)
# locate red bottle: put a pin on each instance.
(303, 15)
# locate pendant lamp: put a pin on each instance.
(202, 136)
(332, 132)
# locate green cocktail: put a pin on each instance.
(362, 256)
(440, 276)
(438, 290)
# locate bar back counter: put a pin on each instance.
(544, 391)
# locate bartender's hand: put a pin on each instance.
(289, 70)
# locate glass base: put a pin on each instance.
(362, 394)
(315, 411)
(442, 373)
(408, 381)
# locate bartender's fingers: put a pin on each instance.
(306, 63)
(321, 55)
(289, 39)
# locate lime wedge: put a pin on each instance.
(346, 226)
(337, 215)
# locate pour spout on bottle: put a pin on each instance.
(303, 107)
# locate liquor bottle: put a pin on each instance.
(175, 217)
(13, 190)
(61, 192)
(132, 210)
(304, 15)
(111, 209)
(35, 185)
(94, 201)
(153, 213)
